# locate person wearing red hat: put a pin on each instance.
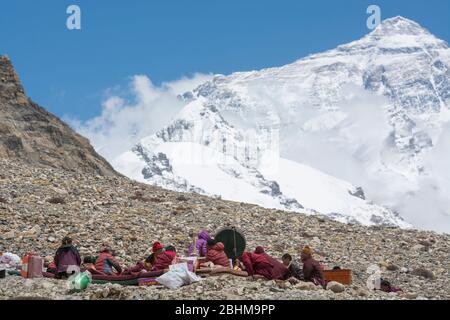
(165, 258)
(157, 248)
(149, 263)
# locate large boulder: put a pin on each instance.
(336, 287)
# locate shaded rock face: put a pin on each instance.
(29, 132)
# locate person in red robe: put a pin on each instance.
(257, 264)
(141, 266)
(216, 254)
(106, 262)
(312, 272)
(279, 271)
(165, 259)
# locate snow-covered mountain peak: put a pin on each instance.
(393, 36)
(374, 106)
(399, 32)
(399, 26)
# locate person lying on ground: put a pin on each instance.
(312, 271)
(67, 259)
(386, 286)
(279, 270)
(200, 245)
(216, 271)
(233, 269)
(142, 266)
(216, 254)
(256, 265)
(295, 272)
(165, 259)
(106, 263)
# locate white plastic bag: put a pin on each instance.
(192, 277)
(183, 269)
(178, 267)
(172, 279)
(178, 276)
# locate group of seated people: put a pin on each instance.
(213, 259)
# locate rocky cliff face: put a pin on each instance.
(30, 133)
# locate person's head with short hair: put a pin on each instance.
(306, 253)
(211, 243)
(150, 261)
(88, 259)
(259, 250)
(287, 259)
(66, 241)
(150, 258)
(385, 285)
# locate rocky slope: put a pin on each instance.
(39, 205)
(29, 132)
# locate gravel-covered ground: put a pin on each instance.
(38, 206)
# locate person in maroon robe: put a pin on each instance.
(312, 272)
(257, 264)
(279, 270)
(216, 254)
(165, 259)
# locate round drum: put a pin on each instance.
(233, 240)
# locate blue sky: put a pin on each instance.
(68, 72)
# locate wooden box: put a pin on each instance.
(343, 276)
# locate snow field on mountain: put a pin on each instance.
(367, 114)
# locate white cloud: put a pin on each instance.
(429, 206)
(125, 121)
(352, 144)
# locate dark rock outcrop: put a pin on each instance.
(29, 132)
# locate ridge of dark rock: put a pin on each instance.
(31, 133)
